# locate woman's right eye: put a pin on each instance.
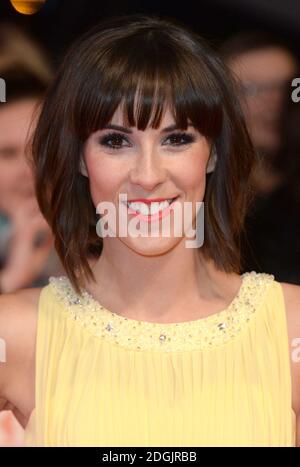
(114, 141)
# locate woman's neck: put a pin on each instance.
(177, 286)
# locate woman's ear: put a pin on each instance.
(82, 167)
(212, 160)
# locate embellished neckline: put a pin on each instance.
(203, 332)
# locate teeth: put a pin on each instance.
(156, 207)
(151, 209)
(139, 207)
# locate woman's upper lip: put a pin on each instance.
(149, 200)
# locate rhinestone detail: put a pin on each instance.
(207, 332)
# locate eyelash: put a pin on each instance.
(104, 141)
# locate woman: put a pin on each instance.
(147, 341)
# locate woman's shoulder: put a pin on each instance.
(19, 308)
(18, 318)
(18, 324)
(291, 295)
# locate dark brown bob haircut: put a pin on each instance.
(158, 62)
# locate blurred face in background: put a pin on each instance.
(16, 179)
(265, 76)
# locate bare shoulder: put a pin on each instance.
(18, 313)
(292, 305)
(18, 322)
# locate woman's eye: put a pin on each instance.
(119, 141)
(180, 139)
(114, 141)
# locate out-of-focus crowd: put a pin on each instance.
(263, 68)
(27, 254)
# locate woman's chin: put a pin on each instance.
(151, 246)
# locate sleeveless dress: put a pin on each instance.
(106, 380)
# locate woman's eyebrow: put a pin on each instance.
(128, 131)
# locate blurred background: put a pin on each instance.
(260, 42)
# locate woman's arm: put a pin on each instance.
(292, 302)
(18, 313)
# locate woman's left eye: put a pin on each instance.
(114, 141)
(180, 139)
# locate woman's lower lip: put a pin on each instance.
(153, 217)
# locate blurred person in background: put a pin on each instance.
(264, 68)
(27, 254)
(274, 223)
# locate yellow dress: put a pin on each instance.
(106, 380)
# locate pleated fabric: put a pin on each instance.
(104, 380)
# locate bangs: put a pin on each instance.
(144, 82)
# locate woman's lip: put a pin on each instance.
(152, 217)
(149, 201)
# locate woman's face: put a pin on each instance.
(156, 163)
(16, 179)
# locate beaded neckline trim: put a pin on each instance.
(206, 332)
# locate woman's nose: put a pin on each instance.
(148, 171)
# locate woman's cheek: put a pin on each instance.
(105, 183)
(193, 174)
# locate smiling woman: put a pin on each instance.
(145, 77)
(145, 341)
(139, 162)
